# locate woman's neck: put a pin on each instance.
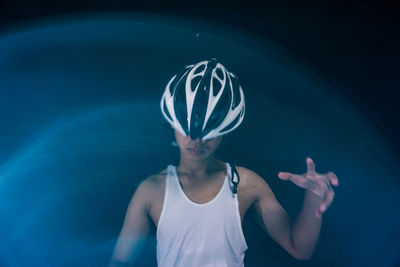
(195, 169)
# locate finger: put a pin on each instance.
(328, 200)
(323, 189)
(284, 175)
(326, 196)
(290, 176)
(318, 213)
(310, 165)
(299, 180)
(333, 178)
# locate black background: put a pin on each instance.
(354, 45)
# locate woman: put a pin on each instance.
(198, 206)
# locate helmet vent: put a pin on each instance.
(219, 73)
(194, 83)
(200, 69)
(217, 86)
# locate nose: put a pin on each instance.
(197, 140)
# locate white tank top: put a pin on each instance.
(193, 234)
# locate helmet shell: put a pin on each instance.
(204, 101)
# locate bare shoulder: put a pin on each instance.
(249, 178)
(153, 183)
(251, 182)
(149, 189)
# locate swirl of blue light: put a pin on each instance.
(82, 127)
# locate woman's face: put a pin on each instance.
(196, 149)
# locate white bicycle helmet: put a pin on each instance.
(203, 101)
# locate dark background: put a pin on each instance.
(354, 45)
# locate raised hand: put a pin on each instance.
(319, 184)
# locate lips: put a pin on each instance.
(195, 151)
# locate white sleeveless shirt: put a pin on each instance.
(193, 234)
